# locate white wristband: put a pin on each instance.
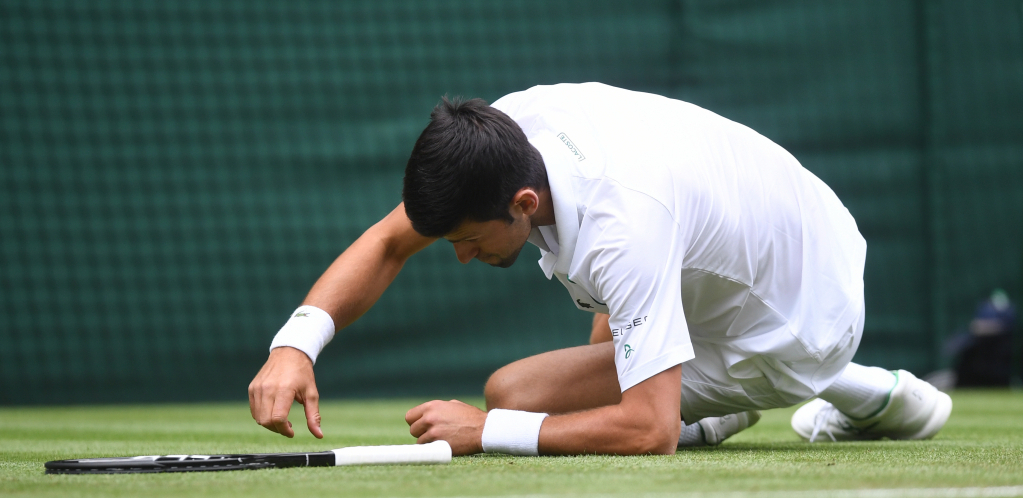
(512, 431)
(308, 330)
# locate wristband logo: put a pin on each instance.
(628, 351)
(300, 314)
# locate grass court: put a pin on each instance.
(979, 453)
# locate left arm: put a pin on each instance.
(601, 331)
(645, 422)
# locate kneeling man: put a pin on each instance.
(725, 279)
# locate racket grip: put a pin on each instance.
(437, 452)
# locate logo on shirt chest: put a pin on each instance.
(583, 299)
(571, 146)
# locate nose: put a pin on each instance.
(465, 251)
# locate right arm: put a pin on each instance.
(349, 288)
(359, 276)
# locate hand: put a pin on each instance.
(287, 376)
(459, 424)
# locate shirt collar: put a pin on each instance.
(537, 239)
(560, 166)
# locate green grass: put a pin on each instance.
(982, 446)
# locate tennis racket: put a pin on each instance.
(437, 452)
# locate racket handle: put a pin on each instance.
(437, 452)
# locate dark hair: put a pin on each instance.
(467, 165)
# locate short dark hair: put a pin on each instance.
(467, 165)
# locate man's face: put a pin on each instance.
(496, 242)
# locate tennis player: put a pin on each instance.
(724, 277)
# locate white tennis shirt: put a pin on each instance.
(687, 227)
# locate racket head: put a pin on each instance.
(188, 463)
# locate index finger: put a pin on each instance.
(311, 402)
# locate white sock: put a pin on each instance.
(692, 435)
(860, 392)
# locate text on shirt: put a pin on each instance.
(636, 322)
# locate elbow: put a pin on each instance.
(651, 410)
(654, 438)
(664, 439)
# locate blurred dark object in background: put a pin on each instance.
(983, 354)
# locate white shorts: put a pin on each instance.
(709, 391)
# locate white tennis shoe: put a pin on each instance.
(716, 429)
(914, 410)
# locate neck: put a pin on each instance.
(544, 214)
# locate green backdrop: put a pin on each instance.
(175, 175)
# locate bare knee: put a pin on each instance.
(508, 388)
(559, 381)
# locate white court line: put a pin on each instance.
(992, 492)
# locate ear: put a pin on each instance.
(526, 201)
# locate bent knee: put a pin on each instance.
(509, 389)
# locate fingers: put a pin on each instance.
(261, 404)
(266, 407)
(419, 422)
(416, 413)
(253, 408)
(286, 377)
(418, 428)
(421, 429)
(256, 402)
(460, 424)
(311, 402)
(279, 416)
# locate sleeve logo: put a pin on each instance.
(636, 322)
(628, 351)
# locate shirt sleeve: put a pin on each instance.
(634, 262)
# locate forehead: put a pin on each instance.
(471, 229)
